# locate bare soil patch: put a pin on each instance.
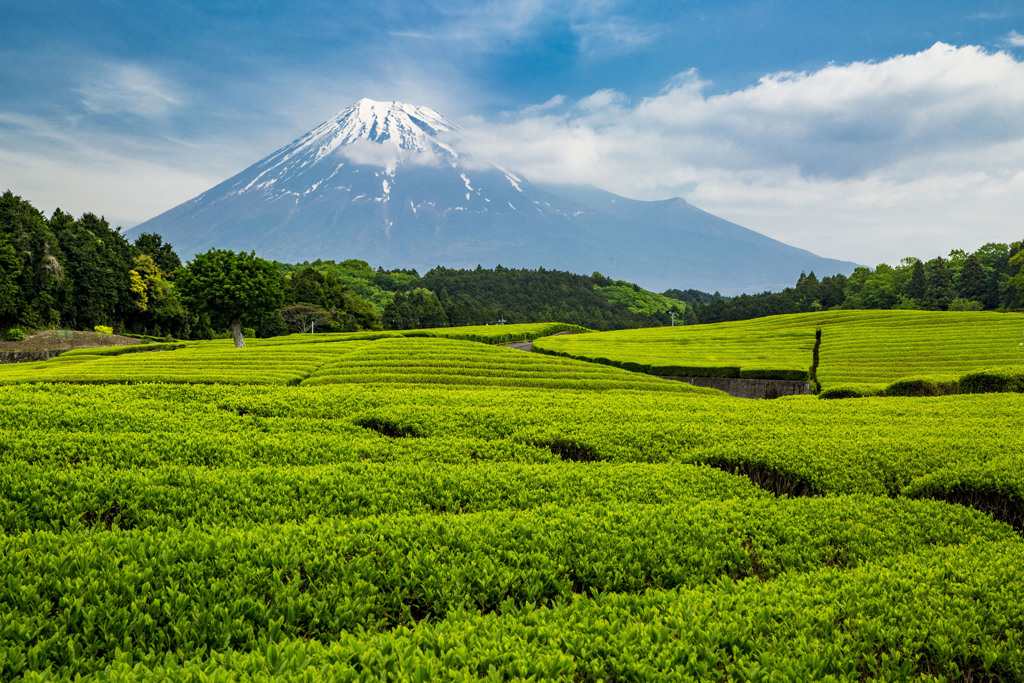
(51, 341)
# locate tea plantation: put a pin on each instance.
(394, 507)
(849, 353)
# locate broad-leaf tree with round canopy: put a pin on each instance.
(232, 288)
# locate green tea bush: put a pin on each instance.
(768, 373)
(991, 381)
(694, 371)
(921, 386)
(15, 334)
(851, 391)
(104, 330)
(448, 510)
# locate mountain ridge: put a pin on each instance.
(385, 182)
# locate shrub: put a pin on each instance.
(965, 305)
(1009, 379)
(768, 373)
(635, 367)
(103, 329)
(921, 386)
(851, 391)
(15, 334)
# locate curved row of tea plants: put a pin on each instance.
(861, 352)
(347, 359)
(189, 590)
(434, 529)
(47, 497)
(949, 612)
(875, 446)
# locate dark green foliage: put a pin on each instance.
(972, 282)
(231, 288)
(97, 261)
(921, 386)
(694, 371)
(77, 274)
(10, 269)
(917, 287)
(993, 276)
(346, 310)
(991, 381)
(1013, 289)
(37, 268)
(417, 309)
(809, 295)
(161, 252)
(693, 297)
(482, 296)
(940, 285)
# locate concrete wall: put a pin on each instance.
(749, 388)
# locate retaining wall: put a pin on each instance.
(29, 356)
(748, 388)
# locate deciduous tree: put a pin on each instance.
(231, 288)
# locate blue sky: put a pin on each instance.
(864, 130)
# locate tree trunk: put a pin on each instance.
(236, 334)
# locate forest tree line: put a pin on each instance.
(989, 279)
(62, 272)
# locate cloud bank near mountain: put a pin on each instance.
(852, 150)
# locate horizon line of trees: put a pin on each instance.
(988, 279)
(63, 272)
(60, 272)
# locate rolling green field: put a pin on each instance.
(866, 349)
(378, 507)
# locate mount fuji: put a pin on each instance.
(384, 182)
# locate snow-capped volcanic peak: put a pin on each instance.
(407, 127)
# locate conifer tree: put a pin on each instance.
(940, 285)
(972, 284)
(917, 288)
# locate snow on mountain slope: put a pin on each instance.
(384, 182)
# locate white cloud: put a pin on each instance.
(119, 188)
(120, 88)
(869, 161)
(53, 164)
(1014, 39)
(536, 109)
(603, 101)
(388, 156)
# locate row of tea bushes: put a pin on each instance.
(861, 352)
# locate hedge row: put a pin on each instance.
(719, 371)
(1008, 379)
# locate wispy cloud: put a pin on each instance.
(122, 88)
(601, 36)
(1014, 39)
(933, 138)
(498, 25)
